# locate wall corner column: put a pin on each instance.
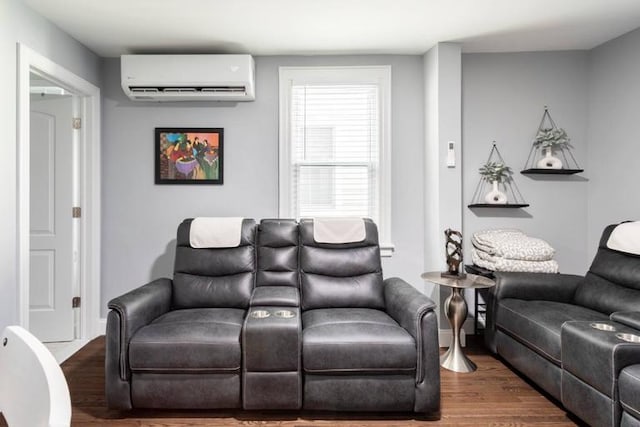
(442, 184)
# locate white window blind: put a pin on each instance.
(335, 138)
(332, 143)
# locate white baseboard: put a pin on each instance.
(446, 335)
(102, 326)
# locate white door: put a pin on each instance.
(51, 227)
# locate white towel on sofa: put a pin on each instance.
(338, 230)
(625, 238)
(218, 232)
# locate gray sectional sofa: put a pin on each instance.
(278, 322)
(562, 331)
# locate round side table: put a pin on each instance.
(455, 307)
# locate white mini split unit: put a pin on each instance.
(188, 77)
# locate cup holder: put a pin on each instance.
(260, 314)
(603, 327)
(285, 314)
(629, 338)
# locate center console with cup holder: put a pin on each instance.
(271, 363)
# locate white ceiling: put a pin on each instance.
(309, 27)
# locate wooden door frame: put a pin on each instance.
(88, 188)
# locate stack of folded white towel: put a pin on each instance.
(512, 250)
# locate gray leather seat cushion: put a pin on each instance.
(189, 341)
(355, 340)
(537, 324)
(628, 386)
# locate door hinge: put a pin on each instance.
(75, 302)
(76, 212)
(77, 123)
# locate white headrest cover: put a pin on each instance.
(215, 232)
(626, 238)
(338, 230)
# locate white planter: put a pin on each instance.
(495, 196)
(549, 161)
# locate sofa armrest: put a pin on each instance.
(406, 305)
(142, 305)
(526, 286)
(414, 311)
(130, 312)
(627, 318)
(536, 286)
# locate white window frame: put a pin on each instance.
(380, 75)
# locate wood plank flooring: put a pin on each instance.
(492, 396)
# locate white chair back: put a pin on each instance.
(33, 390)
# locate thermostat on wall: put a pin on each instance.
(451, 154)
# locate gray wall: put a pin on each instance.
(614, 135)
(140, 218)
(20, 24)
(503, 99)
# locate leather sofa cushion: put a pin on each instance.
(192, 291)
(323, 291)
(537, 324)
(282, 296)
(277, 253)
(629, 389)
(628, 420)
(188, 341)
(340, 275)
(214, 277)
(606, 296)
(278, 265)
(613, 281)
(355, 340)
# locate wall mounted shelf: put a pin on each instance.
(494, 205)
(496, 187)
(549, 141)
(538, 171)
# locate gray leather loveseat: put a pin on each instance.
(278, 322)
(567, 334)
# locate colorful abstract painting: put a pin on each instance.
(189, 156)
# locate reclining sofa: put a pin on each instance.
(576, 337)
(279, 321)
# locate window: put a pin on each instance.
(334, 144)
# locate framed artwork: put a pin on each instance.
(189, 155)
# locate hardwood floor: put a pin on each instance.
(492, 396)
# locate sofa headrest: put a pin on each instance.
(625, 238)
(307, 236)
(339, 230)
(247, 233)
(215, 232)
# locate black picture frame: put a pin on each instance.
(189, 156)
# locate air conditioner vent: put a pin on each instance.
(189, 90)
(149, 90)
(227, 89)
(188, 77)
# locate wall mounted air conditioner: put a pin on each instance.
(188, 77)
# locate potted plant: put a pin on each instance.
(549, 139)
(495, 173)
